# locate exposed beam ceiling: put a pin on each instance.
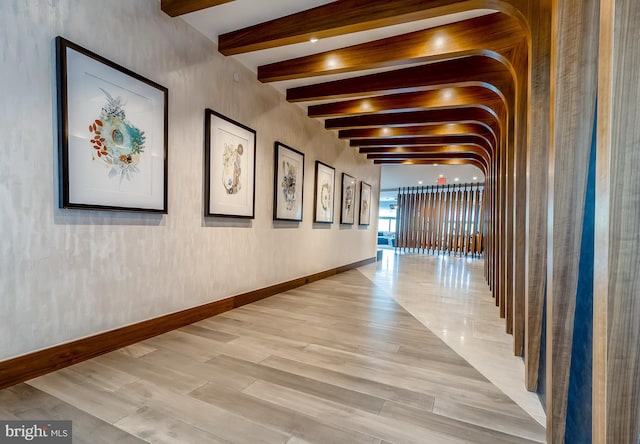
(451, 84)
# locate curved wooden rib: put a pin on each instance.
(465, 71)
(470, 114)
(491, 34)
(454, 97)
(432, 150)
(443, 161)
(436, 129)
(469, 139)
(409, 156)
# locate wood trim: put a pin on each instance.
(174, 8)
(334, 19)
(465, 71)
(495, 33)
(616, 330)
(574, 79)
(32, 365)
(451, 97)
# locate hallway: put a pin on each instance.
(336, 361)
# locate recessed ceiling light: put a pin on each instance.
(475, 178)
(313, 39)
(439, 41)
(419, 182)
(332, 62)
(435, 164)
(385, 130)
(456, 179)
(441, 176)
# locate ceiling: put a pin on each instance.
(405, 82)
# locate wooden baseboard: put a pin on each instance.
(32, 365)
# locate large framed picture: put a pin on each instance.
(348, 200)
(112, 134)
(288, 183)
(324, 193)
(365, 204)
(230, 172)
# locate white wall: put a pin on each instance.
(66, 274)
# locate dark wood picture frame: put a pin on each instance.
(324, 193)
(288, 183)
(120, 162)
(229, 167)
(364, 215)
(348, 200)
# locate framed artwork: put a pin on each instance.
(324, 193)
(348, 200)
(288, 183)
(230, 167)
(112, 134)
(365, 204)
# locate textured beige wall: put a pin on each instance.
(65, 274)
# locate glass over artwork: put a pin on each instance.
(347, 213)
(288, 184)
(112, 132)
(230, 151)
(324, 193)
(365, 204)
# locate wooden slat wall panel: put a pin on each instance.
(616, 358)
(441, 219)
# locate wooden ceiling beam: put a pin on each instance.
(454, 97)
(466, 71)
(416, 118)
(461, 140)
(334, 19)
(428, 149)
(437, 157)
(496, 33)
(438, 129)
(174, 8)
(482, 167)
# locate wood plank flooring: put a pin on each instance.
(336, 361)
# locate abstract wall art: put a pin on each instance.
(288, 183)
(112, 134)
(230, 154)
(348, 205)
(324, 193)
(365, 204)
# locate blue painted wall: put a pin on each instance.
(580, 379)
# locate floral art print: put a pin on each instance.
(324, 193)
(116, 141)
(230, 152)
(231, 159)
(113, 134)
(288, 183)
(347, 215)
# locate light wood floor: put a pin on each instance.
(336, 361)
